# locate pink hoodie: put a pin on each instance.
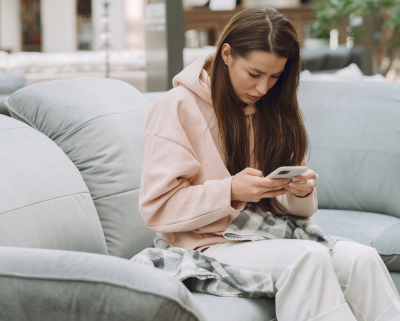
(185, 194)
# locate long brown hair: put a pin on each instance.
(281, 138)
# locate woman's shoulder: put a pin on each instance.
(179, 99)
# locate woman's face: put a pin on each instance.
(253, 76)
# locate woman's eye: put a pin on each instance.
(276, 77)
(252, 75)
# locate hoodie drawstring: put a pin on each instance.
(251, 141)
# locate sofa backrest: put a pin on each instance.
(44, 202)
(99, 124)
(354, 129)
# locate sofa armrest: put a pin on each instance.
(38, 284)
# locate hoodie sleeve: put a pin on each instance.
(168, 203)
(291, 204)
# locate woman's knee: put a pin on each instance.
(357, 254)
(353, 260)
(316, 253)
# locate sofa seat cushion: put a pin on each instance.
(50, 285)
(217, 308)
(377, 230)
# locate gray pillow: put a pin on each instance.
(354, 134)
(99, 124)
(49, 285)
(44, 202)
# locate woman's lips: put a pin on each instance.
(254, 98)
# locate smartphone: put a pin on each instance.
(287, 172)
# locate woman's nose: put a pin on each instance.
(262, 86)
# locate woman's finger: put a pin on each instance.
(273, 194)
(302, 186)
(309, 181)
(273, 183)
(307, 175)
(299, 192)
(253, 172)
(300, 189)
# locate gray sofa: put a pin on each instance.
(70, 168)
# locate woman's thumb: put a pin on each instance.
(253, 172)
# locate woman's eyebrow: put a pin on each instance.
(279, 73)
(260, 72)
(257, 70)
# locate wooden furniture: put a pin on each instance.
(214, 21)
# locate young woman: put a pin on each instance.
(230, 120)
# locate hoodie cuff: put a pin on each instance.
(302, 206)
(235, 205)
(305, 196)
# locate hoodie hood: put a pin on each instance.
(196, 79)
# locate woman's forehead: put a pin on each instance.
(264, 62)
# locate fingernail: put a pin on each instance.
(291, 185)
(294, 179)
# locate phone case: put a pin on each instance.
(287, 172)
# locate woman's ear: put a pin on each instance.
(226, 53)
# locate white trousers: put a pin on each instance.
(350, 283)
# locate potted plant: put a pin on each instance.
(374, 24)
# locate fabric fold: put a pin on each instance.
(201, 273)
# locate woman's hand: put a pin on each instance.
(250, 185)
(299, 185)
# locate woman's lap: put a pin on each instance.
(268, 256)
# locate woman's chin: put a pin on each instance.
(249, 101)
(245, 99)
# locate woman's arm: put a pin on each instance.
(168, 203)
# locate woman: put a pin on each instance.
(229, 121)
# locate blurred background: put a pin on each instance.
(147, 42)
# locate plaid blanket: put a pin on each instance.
(201, 273)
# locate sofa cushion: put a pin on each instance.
(354, 135)
(48, 285)
(377, 230)
(44, 200)
(235, 309)
(99, 124)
